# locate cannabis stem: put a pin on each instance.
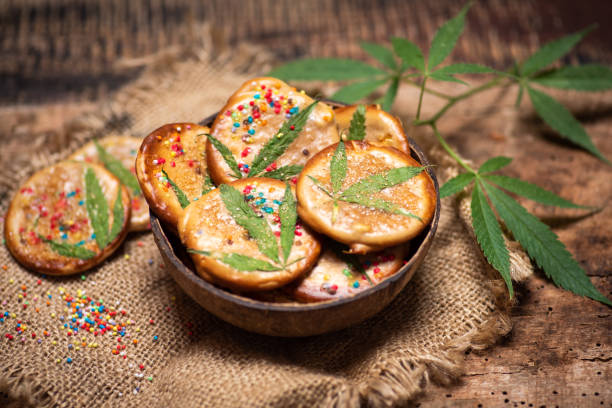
(418, 114)
(428, 90)
(450, 151)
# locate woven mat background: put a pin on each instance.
(453, 303)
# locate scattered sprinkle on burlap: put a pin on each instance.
(455, 302)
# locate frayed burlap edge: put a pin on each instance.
(398, 381)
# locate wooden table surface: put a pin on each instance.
(560, 350)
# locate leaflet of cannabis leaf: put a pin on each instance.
(259, 229)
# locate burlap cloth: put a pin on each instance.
(453, 303)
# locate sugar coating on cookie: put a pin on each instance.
(382, 128)
(209, 227)
(67, 218)
(365, 228)
(333, 277)
(253, 115)
(171, 169)
(122, 149)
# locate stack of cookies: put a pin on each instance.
(282, 199)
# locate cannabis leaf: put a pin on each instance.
(353, 92)
(551, 52)
(409, 52)
(260, 231)
(277, 145)
(387, 100)
(97, 208)
(489, 235)
(456, 184)
(543, 246)
(357, 126)
(118, 217)
(446, 37)
(115, 166)
(288, 217)
(326, 69)
(285, 172)
(246, 217)
(361, 191)
(227, 155)
(581, 78)
(560, 119)
(68, 250)
(239, 261)
(208, 185)
(382, 54)
(180, 194)
(494, 164)
(351, 260)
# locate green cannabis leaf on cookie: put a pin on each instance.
(406, 63)
(361, 192)
(98, 214)
(271, 151)
(259, 229)
(125, 176)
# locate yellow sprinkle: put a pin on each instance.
(58, 361)
(52, 314)
(303, 92)
(173, 154)
(54, 342)
(326, 277)
(77, 348)
(13, 315)
(138, 330)
(127, 256)
(11, 280)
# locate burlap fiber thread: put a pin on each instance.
(453, 303)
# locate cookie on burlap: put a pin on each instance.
(118, 155)
(227, 225)
(253, 115)
(171, 169)
(337, 275)
(382, 128)
(67, 218)
(364, 218)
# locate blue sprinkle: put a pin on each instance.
(150, 262)
(64, 236)
(80, 243)
(62, 318)
(268, 210)
(1, 319)
(236, 124)
(271, 104)
(81, 202)
(246, 166)
(277, 202)
(356, 284)
(155, 338)
(71, 194)
(69, 360)
(65, 325)
(250, 119)
(61, 227)
(256, 96)
(293, 110)
(249, 197)
(73, 319)
(251, 131)
(260, 194)
(69, 346)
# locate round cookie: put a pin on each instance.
(382, 129)
(67, 218)
(243, 219)
(176, 149)
(253, 116)
(118, 155)
(335, 275)
(380, 203)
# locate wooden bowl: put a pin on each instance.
(292, 319)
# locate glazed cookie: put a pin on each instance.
(171, 169)
(382, 129)
(368, 197)
(337, 275)
(118, 155)
(252, 119)
(67, 218)
(236, 240)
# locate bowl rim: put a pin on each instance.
(166, 247)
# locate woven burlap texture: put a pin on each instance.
(455, 302)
